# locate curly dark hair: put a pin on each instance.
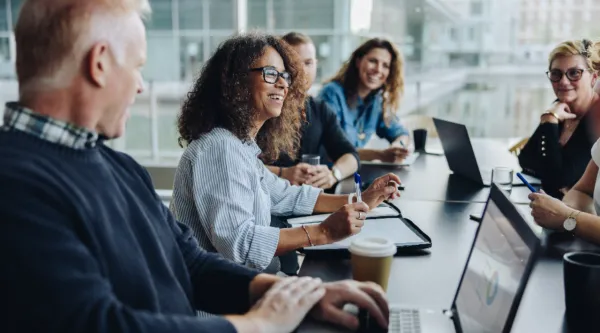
(393, 89)
(221, 97)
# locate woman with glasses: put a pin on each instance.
(559, 149)
(366, 94)
(244, 106)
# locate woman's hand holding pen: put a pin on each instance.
(383, 188)
(347, 221)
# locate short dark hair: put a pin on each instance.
(221, 97)
(296, 38)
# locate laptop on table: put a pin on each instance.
(493, 280)
(461, 156)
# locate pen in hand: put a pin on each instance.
(531, 188)
(357, 183)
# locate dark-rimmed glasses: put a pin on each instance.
(271, 75)
(573, 74)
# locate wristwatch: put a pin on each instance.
(571, 221)
(337, 174)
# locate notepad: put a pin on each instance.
(376, 212)
(409, 160)
(392, 228)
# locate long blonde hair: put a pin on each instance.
(392, 90)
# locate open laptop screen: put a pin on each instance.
(493, 274)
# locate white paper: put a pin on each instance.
(393, 229)
(376, 212)
(409, 160)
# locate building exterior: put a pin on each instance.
(182, 34)
(484, 35)
(545, 23)
(437, 37)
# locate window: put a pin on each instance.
(162, 18)
(138, 135)
(191, 57)
(15, 8)
(3, 17)
(476, 7)
(472, 34)
(305, 14)
(257, 13)
(190, 14)
(453, 34)
(4, 50)
(221, 14)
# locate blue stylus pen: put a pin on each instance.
(357, 183)
(525, 182)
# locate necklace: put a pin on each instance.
(361, 131)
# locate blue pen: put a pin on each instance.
(357, 183)
(525, 182)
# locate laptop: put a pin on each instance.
(493, 280)
(461, 156)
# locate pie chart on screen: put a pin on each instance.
(492, 288)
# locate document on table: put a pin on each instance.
(376, 212)
(409, 160)
(393, 229)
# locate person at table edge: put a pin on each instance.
(559, 149)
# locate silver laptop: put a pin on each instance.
(461, 156)
(493, 280)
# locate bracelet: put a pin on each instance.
(280, 172)
(552, 114)
(574, 214)
(308, 235)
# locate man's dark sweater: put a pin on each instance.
(321, 134)
(86, 246)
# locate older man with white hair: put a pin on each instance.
(85, 243)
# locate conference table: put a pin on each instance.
(440, 204)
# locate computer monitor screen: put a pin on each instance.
(493, 274)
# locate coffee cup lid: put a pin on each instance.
(372, 247)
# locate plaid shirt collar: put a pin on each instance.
(19, 118)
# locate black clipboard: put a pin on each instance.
(402, 248)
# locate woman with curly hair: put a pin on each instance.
(245, 106)
(366, 94)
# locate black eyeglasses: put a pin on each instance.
(573, 74)
(271, 75)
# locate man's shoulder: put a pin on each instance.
(125, 163)
(28, 174)
(118, 156)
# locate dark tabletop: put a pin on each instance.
(440, 204)
(429, 281)
(429, 177)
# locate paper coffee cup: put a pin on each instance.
(371, 259)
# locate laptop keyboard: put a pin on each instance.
(401, 321)
(405, 321)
